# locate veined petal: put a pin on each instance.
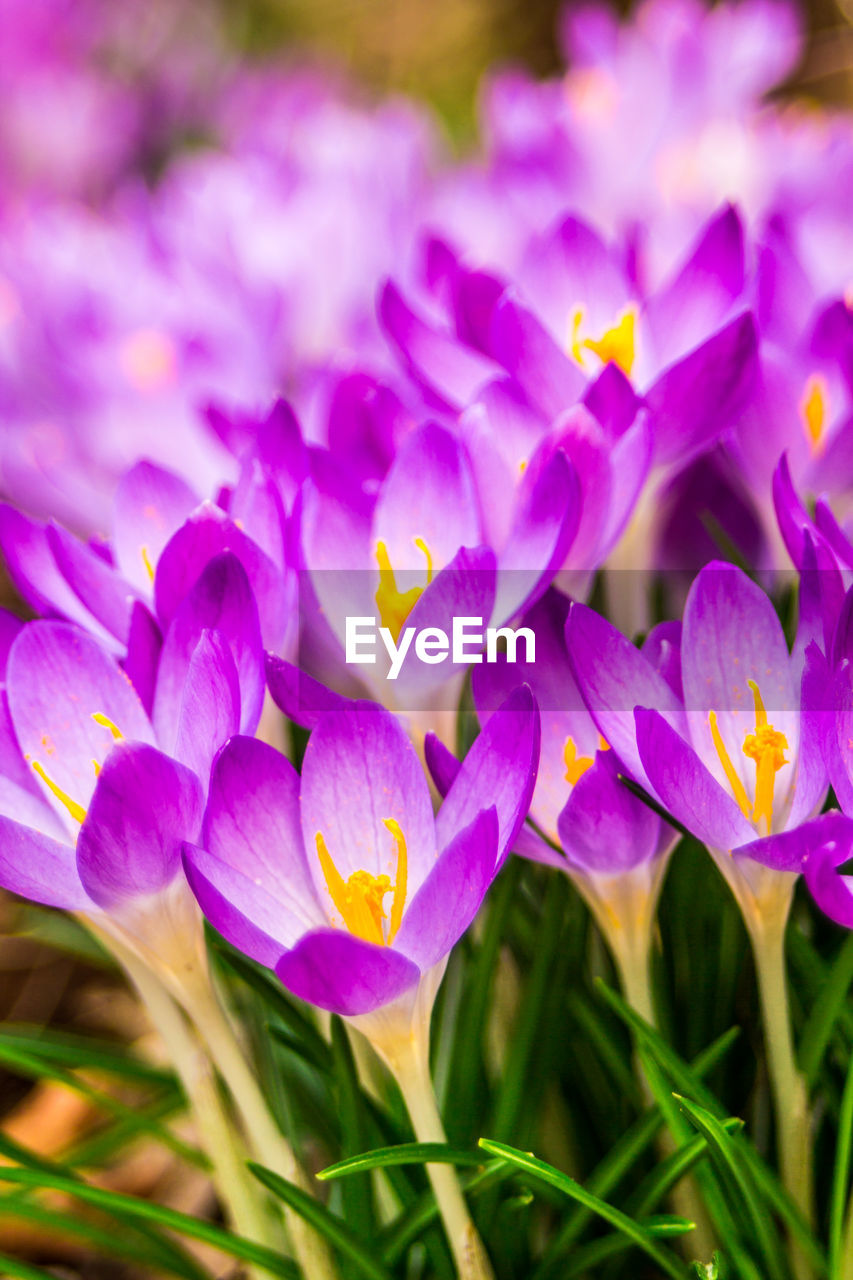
(450, 897)
(336, 971)
(145, 805)
(40, 868)
(150, 505)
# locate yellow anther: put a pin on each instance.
(767, 747)
(359, 899)
(400, 884)
(814, 405)
(734, 780)
(603, 744)
(576, 766)
(617, 344)
(395, 606)
(100, 718)
(78, 813)
(146, 560)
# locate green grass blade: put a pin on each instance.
(124, 1206)
(357, 1192)
(339, 1236)
(406, 1153)
(23, 1270)
(669, 1264)
(830, 1004)
(726, 1154)
(841, 1175)
(64, 1049)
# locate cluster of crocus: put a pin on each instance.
(598, 376)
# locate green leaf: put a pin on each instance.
(828, 1007)
(841, 1174)
(666, 1224)
(638, 1234)
(405, 1153)
(325, 1223)
(23, 1270)
(412, 1222)
(28, 1065)
(357, 1192)
(131, 1243)
(727, 1155)
(125, 1206)
(64, 1049)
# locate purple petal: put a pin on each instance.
(528, 352)
(209, 710)
(39, 868)
(695, 400)
(428, 494)
(58, 680)
(662, 648)
(439, 361)
(450, 897)
(731, 636)
(604, 828)
(442, 763)
(339, 972)
(499, 770)
(144, 806)
(614, 678)
(36, 576)
(221, 600)
(831, 845)
(252, 824)
(684, 786)
(300, 697)
(546, 521)
(204, 536)
(144, 646)
(250, 919)
(360, 770)
(150, 505)
(101, 590)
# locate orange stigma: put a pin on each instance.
(395, 606)
(814, 410)
(576, 766)
(616, 345)
(360, 898)
(766, 747)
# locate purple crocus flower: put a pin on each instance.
(97, 793)
(162, 538)
(344, 882)
(738, 760)
(584, 821)
(413, 556)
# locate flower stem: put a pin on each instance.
(235, 1186)
(268, 1144)
(409, 1064)
(633, 962)
(790, 1098)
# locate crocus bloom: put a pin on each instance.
(739, 760)
(344, 883)
(96, 795)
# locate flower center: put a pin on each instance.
(360, 898)
(616, 344)
(814, 410)
(395, 606)
(78, 813)
(766, 747)
(576, 766)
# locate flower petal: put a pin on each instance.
(40, 868)
(499, 770)
(335, 971)
(452, 893)
(145, 805)
(250, 919)
(360, 770)
(150, 505)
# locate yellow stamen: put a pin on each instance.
(100, 718)
(738, 789)
(767, 748)
(359, 899)
(400, 884)
(603, 744)
(576, 766)
(617, 344)
(395, 606)
(146, 560)
(78, 813)
(814, 406)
